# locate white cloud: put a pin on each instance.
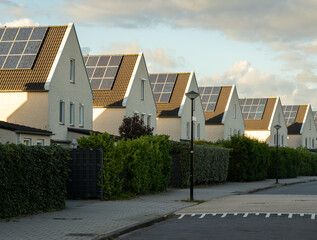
(20, 23)
(306, 77)
(158, 60)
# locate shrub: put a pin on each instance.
(307, 162)
(32, 179)
(133, 127)
(210, 163)
(249, 159)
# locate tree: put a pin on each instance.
(133, 127)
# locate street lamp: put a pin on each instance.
(192, 95)
(277, 127)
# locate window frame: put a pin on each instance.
(40, 142)
(27, 141)
(61, 112)
(72, 71)
(142, 89)
(72, 114)
(81, 115)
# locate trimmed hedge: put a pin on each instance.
(210, 163)
(249, 159)
(32, 179)
(132, 166)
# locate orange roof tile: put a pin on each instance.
(299, 120)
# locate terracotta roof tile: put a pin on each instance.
(34, 79)
(299, 120)
(171, 108)
(114, 97)
(215, 117)
(262, 124)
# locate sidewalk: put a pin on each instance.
(92, 219)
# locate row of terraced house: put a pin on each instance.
(51, 94)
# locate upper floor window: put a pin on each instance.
(235, 111)
(72, 70)
(71, 113)
(309, 124)
(142, 89)
(81, 115)
(62, 112)
(198, 131)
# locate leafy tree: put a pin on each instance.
(133, 127)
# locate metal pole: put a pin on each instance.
(101, 172)
(192, 155)
(276, 157)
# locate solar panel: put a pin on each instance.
(20, 46)
(102, 70)
(290, 112)
(162, 86)
(252, 108)
(209, 97)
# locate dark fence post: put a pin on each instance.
(101, 173)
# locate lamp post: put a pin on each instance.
(192, 95)
(277, 127)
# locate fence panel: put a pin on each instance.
(85, 168)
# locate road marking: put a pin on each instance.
(257, 214)
(279, 214)
(193, 215)
(245, 215)
(224, 215)
(214, 214)
(313, 216)
(302, 214)
(202, 215)
(267, 215)
(181, 216)
(235, 214)
(290, 215)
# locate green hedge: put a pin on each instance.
(32, 179)
(132, 166)
(307, 163)
(210, 163)
(249, 159)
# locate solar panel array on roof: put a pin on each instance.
(20, 46)
(162, 86)
(252, 108)
(209, 97)
(290, 112)
(102, 70)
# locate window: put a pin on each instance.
(27, 141)
(187, 130)
(40, 142)
(279, 119)
(72, 70)
(142, 118)
(235, 111)
(198, 131)
(305, 142)
(148, 121)
(71, 113)
(309, 142)
(239, 132)
(81, 115)
(142, 89)
(282, 140)
(61, 112)
(309, 124)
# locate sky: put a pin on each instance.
(267, 48)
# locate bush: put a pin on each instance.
(307, 162)
(249, 159)
(210, 163)
(133, 127)
(133, 166)
(32, 179)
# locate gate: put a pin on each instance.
(85, 174)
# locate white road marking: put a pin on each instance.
(257, 214)
(279, 214)
(202, 215)
(193, 215)
(235, 214)
(267, 215)
(290, 215)
(224, 215)
(313, 216)
(245, 215)
(302, 214)
(181, 216)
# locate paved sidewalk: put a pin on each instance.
(85, 220)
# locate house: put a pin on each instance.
(174, 108)
(260, 116)
(43, 80)
(315, 117)
(222, 112)
(121, 88)
(19, 134)
(300, 125)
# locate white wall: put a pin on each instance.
(214, 133)
(232, 125)
(60, 87)
(7, 136)
(169, 126)
(108, 119)
(133, 102)
(309, 130)
(259, 135)
(185, 110)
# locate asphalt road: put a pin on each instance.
(247, 223)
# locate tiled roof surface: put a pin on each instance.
(114, 97)
(263, 124)
(23, 129)
(171, 108)
(34, 79)
(297, 125)
(215, 117)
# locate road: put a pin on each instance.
(288, 212)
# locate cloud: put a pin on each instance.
(158, 60)
(306, 77)
(251, 82)
(85, 50)
(20, 23)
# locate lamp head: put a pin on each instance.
(192, 94)
(277, 127)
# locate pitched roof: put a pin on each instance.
(262, 124)
(171, 108)
(115, 96)
(34, 79)
(23, 129)
(215, 117)
(295, 127)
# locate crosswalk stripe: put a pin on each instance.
(202, 215)
(313, 216)
(224, 215)
(245, 215)
(267, 215)
(181, 216)
(290, 215)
